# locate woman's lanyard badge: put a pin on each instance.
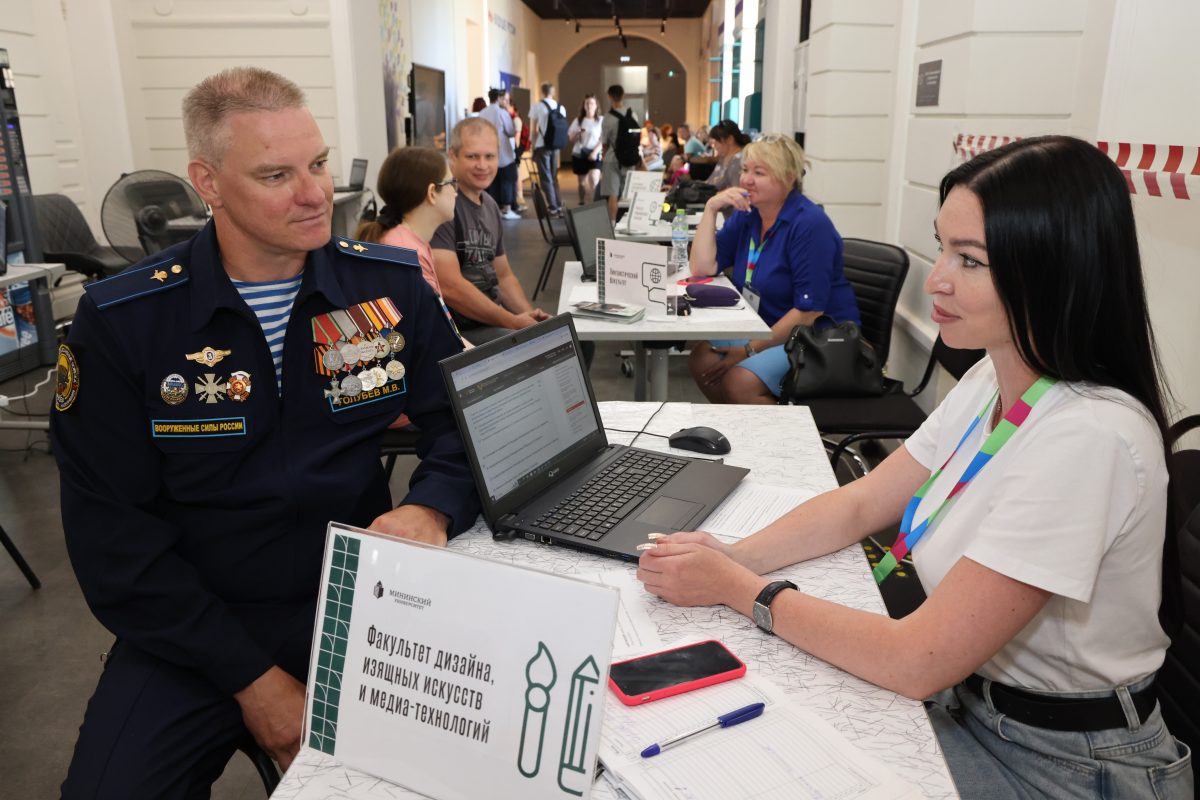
(908, 537)
(749, 293)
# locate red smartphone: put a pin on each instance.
(670, 672)
(695, 279)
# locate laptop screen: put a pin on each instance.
(358, 173)
(589, 224)
(525, 407)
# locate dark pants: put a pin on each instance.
(547, 164)
(504, 188)
(153, 729)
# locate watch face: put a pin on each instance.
(763, 618)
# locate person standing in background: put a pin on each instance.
(586, 152)
(544, 152)
(503, 187)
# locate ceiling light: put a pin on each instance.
(624, 59)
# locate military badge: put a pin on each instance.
(394, 369)
(212, 390)
(173, 389)
(66, 379)
(380, 376)
(367, 379)
(208, 356)
(351, 385)
(239, 386)
(396, 341)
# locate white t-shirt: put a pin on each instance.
(1075, 503)
(589, 138)
(539, 113)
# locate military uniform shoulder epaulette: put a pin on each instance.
(379, 252)
(138, 282)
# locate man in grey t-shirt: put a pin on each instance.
(477, 281)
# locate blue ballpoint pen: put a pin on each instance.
(724, 721)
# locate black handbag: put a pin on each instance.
(830, 359)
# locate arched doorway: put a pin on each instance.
(590, 71)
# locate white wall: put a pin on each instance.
(167, 46)
(851, 86)
(35, 35)
(1148, 97)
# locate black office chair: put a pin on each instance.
(263, 765)
(67, 239)
(398, 442)
(876, 271)
(554, 237)
(1178, 681)
(19, 560)
(890, 416)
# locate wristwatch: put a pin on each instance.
(762, 604)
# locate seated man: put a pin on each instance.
(477, 281)
(243, 379)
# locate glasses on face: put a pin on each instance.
(448, 182)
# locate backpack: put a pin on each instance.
(629, 139)
(555, 135)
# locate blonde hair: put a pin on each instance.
(474, 126)
(782, 157)
(208, 105)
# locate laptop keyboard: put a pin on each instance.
(599, 505)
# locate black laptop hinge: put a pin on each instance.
(505, 527)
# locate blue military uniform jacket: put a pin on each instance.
(196, 526)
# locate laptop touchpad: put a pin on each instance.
(668, 514)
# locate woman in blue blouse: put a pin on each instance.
(787, 262)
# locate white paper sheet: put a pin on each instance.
(752, 506)
(788, 752)
(636, 632)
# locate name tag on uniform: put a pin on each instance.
(751, 297)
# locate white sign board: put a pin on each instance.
(641, 181)
(456, 676)
(633, 273)
(645, 211)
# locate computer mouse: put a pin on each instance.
(700, 439)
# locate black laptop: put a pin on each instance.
(358, 176)
(543, 466)
(586, 224)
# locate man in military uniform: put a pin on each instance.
(217, 405)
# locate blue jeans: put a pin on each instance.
(991, 755)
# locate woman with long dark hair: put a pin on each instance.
(1033, 502)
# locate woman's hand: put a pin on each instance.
(694, 569)
(734, 197)
(732, 356)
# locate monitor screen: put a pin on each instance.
(588, 224)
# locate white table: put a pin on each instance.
(780, 445)
(660, 233)
(741, 322)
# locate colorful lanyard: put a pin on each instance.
(1016, 415)
(754, 253)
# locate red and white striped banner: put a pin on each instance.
(1155, 170)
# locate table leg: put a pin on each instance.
(640, 377)
(657, 374)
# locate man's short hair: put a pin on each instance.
(616, 92)
(547, 88)
(495, 94)
(208, 105)
(471, 126)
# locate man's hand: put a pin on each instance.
(273, 710)
(418, 523)
(527, 318)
